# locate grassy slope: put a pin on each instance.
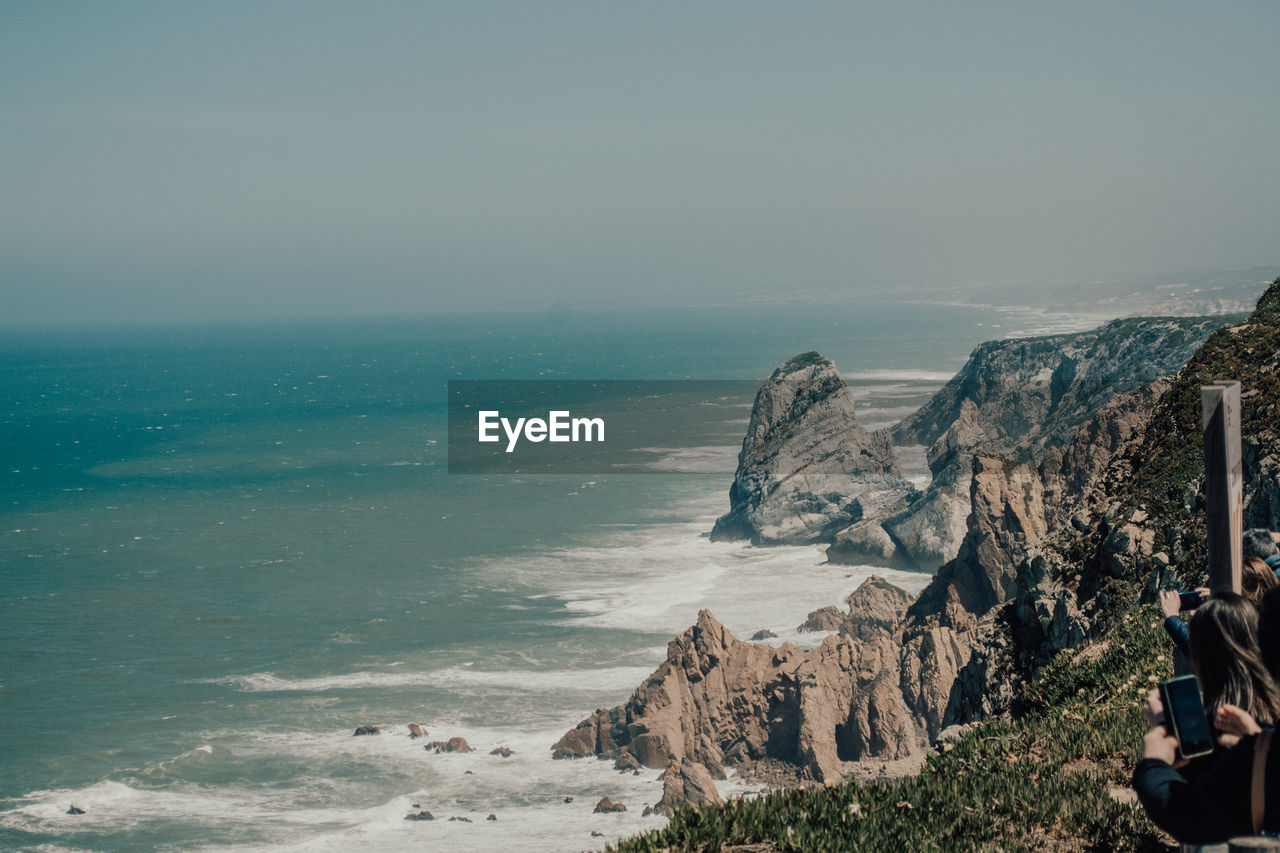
(1047, 779)
(1041, 781)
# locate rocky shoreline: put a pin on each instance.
(1025, 446)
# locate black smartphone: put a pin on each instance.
(1189, 600)
(1185, 717)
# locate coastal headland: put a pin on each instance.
(1074, 463)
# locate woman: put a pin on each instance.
(1226, 659)
(1239, 794)
(1257, 579)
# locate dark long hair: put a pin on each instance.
(1227, 659)
(1256, 578)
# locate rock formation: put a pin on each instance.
(809, 472)
(1046, 449)
(367, 730)
(807, 467)
(718, 700)
(876, 606)
(453, 744)
(1018, 399)
(686, 783)
(1077, 469)
(1031, 393)
(878, 691)
(606, 805)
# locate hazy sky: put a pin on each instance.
(190, 160)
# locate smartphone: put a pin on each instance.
(1189, 600)
(1184, 714)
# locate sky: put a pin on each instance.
(184, 160)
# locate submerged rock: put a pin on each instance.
(423, 815)
(75, 810)
(368, 730)
(505, 752)
(607, 805)
(416, 731)
(453, 744)
(763, 634)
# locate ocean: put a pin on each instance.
(225, 547)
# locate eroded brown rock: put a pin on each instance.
(606, 805)
(687, 783)
(453, 744)
(718, 700)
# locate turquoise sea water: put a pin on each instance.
(224, 548)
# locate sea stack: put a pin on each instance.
(807, 467)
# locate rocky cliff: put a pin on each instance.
(1016, 399)
(1055, 550)
(809, 472)
(1057, 543)
(807, 467)
(1030, 393)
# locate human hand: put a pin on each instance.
(1162, 746)
(1153, 708)
(1235, 723)
(1169, 603)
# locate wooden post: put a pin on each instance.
(1223, 483)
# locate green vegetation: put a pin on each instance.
(1044, 781)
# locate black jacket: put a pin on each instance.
(1217, 804)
